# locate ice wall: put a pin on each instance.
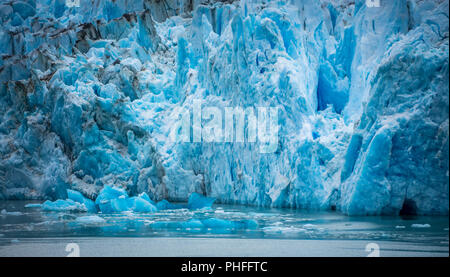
(398, 154)
(91, 96)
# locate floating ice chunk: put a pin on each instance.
(216, 223)
(147, 198)
(75, 196)
(116, 200)
(47, 222)
(78, 197)
(249, 224)
(15, 241)
(29, 206)
(198, 201)
(112, 200)
(5, 212)
(166, 205)
(309, 226)
(109, 193)
(148, 222)
(421, 225)
(140, 205)
(117, 205)
(90, 220)
(192, 224)
(63, 206)
(400, 227)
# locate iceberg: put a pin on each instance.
(145, 196)
(140, 205)
(90, 220)
(5, 213)
(61, 205)
(198, 201)
(116, 200)
(30, 206)
(110, 193)
(426, 225)
(193, 224)
(166, 205)
(112, 200)
(78, 197)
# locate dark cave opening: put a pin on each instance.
(409, 208)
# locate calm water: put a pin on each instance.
(16, 221)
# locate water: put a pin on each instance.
(233, 222)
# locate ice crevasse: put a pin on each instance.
(90, 95)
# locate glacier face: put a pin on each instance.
(90, 95)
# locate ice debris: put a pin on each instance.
(116, 200)
(78, 197)
(90, 220)
(61, 205)
(166, 205)
(5, 212)
(198, 201)
(216, 224)
(426, 225)
(34, 205)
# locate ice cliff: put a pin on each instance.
(90, 95)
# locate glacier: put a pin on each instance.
(90, 97)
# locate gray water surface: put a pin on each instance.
(20, 224)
